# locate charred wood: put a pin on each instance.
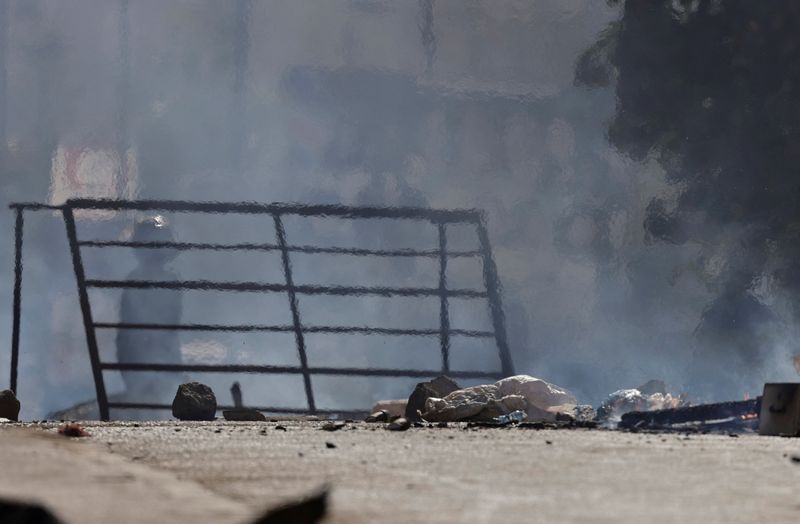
(703, 413)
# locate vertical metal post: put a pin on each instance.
(444, 314)
(241, 51)
(493, 290)
(298, 327)
(123, 98)
(86, 309)
(4, 25)
(18, 228)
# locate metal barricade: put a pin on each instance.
(276, 212)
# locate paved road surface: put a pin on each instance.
(224, 472)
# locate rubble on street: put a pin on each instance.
(194, 401)
(239, 413)
(436, 388)
(394, 408)
(9, 405)
(540, 400)
(650, 396)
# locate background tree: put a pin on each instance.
(711, 89)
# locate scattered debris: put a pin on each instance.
(395, 408)
(722, 416)
(330, 445)
(73, 429)
(399, 424)
(280, 428)
(439, 387)
(17, 512)
(564, 417)
(650, 396)
(309, 510)
(378, 416)
(239, 412)
(194, 401)
(9, 405)
(572, 423)
(540, 400)
(244, 415)
(473, 403)
(795, 459)
(514, 417)
(584, 413)
(334, 425)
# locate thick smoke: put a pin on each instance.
(440, 103)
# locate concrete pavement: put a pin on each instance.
(426, 474)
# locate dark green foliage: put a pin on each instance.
(711, 89)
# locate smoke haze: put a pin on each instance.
(440, 103)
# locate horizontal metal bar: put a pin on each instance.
(193, 327)
(288, 329)
(188, 284)
(186, 246)
(290, 370)
(303, 289)
(431, 253)
(33, 206)
(434, 215)
(179, 246)
(269, 409)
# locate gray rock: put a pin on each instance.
(9, 405)
(334, 425)
(194, 401)
(378, 416)
(244, 415)
(400, 424)
(439, 387)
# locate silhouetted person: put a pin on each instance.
(150, 306)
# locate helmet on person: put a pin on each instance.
(152, 229)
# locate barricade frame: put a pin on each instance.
(277, 211)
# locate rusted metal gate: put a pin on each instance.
(490, 291)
